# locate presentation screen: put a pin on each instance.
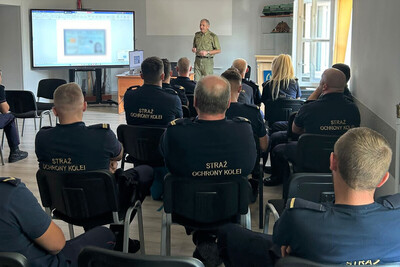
(76, 38)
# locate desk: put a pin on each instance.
(126, 81)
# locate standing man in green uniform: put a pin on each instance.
(205, 46)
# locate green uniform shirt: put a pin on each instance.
(206, 41)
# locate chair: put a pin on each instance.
(280, 109)
(247, 75)
(1, 149)
(93, 256)
(193, 111)
(141, 143)
(46, 88)
(316, 187)
(86, 199)
(12, 259)
(204, 204)
(313, 152)
(23, 105)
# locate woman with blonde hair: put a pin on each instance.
(283, 83)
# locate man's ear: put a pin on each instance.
(170, 73)
(84, 106)
(54, 111)
(190, 68)
(333, 162)
(239, 88)
(162, 76)
(247, 69)
(141, 75)
(384, 179)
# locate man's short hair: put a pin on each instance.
(183, 64)
(212, 95)
(67, 97)
(152, 68)
(343, 68)
(363, 157)
(233, 76)
(206, 20)
(240, 64)
(167, 67)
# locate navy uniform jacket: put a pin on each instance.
(180, 90)
(75, 147)
(201, 148)
(187, 83)
(246, 95)
(151, 105)
(332, 114)
(341, 234)
(250, 112)
(256, 91)
(292, 91)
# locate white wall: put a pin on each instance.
(244, 42)
(375, 56)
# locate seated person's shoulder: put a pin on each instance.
(240, 120)
(294, 204)
(252, 107)
(11, 181)
(178, 87)
(102, 126)
(180, 122)
(390, 202)
(170, 91)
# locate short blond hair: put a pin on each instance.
(68, 98)
(363, 157)
(241, 65)
(183, 65)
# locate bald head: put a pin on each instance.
(333, 80)
(241, 65)
(68, 101)
(212, 95)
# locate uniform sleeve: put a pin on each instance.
(112, 144)
(28, 214)
(300, 116)
(282, 230)
(216, 44)
(194, 41)
(2, 94)
(261, 131)
(178, 107)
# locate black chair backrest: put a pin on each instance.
(186, 111)
(141, 142)
(21, 101)
(78, 195)
(46, 87)
(247, 75)
(193, 111)
(313, 152)
(12, 259)
(93, 256)
(280, 109)
(316, 187)
(206, 200)
(174, 64)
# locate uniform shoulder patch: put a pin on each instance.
(10, 180)
(390, 202)
(46, 127)
(100, 126)
(240, 119)
(178, 87)
(170, 91)
(252, 106)
(299, 203)
(133, 87)
(182, 121)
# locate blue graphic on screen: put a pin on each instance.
(84, 42)
(267, 75)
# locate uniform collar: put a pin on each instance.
(79, 123)
(207, 121)
(166, 85)
(151, 86)
(332, 95)
(183, 78)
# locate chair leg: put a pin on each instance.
(261, 197)
(1, 155)
(34, 122)
(166, 235)
(51, 124)
(125, 243)
(123, 161)
(23, 125)
(2, 140)
(71, 231)
(269, 208)
(40, 122)
(141, 232)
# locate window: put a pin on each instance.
(313, 39)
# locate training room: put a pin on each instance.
(102, 49)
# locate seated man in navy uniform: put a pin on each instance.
(180, 90)
(355, 230)
(150, 104)
(332, 114)
(72, 146)
(250, 112)
(27, 229)
(249, 87)
(216, 147)
(183, 79)
(7, 122)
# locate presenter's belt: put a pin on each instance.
(203, 57)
